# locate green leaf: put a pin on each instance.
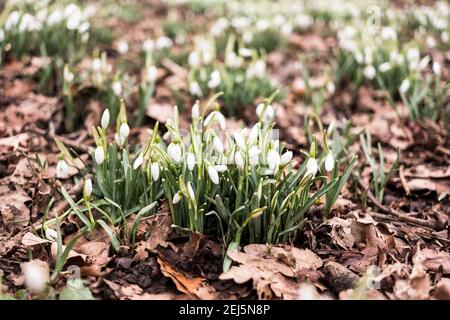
(112, 237)
(75, 290)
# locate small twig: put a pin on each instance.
(400, 215)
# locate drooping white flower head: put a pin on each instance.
(254, 133)
(217, 143)
(117, 88)
(163, 43)
(329, 162)
(124, 131)
(218, 116)
(253, 155)
(404, 87)
(51, 234)
(174, 151)
(151, 73)
(273, 159)
(238, 160)
(154, 168)
(190, 159)
(370, 72)
(195, 112)
(62, 170)
(122, 47)
(194, 89)
(437, 69)
(176, 198)
(88, 187)
(213, 174)
(286, 157)
(191, 191)
(384, 67)
(215, 79)
(240, 141)
(311, 167)
(148, 45)
(221, 167)
(105, 119)
(138, 162)
(99, 155)
(265, 113)
(194, 59)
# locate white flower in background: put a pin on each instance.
(431, 42)
(190, 159)
(221, 168)
(51, 234)
(138, 162)
(370, 72)
(217, 143)
(29, 23)
(122, 47)
(62, 170)
(239, 140)
(151, 73)
(265, 113)
(163, 43)
(124, 131)
(87, 187)
(247, 37)
(262, 25)
(195, 112)
(404, 87)
(194, 59)
(2, 35)
(254, 133)
(444, 37)
(219, 117)
(279, 20)
(303, 21)
(12, 20)
(232, 60)
(359, 57)
(253, 155)
(105, 119)
(238, 160)
(329, 162)
(191, 191)
(384, 67)
(286, 29)
(174, 152)
(311, 167)
(423, 63)
(413, 54)
(331, 88)
(286, 157)
(99, 155)
(388, 33)
(257, 70)
(273, 159)
(176, 198)
(83, 28)
(213, 174)
(241, 22)
(154, 168)
(68, 75)
(437, 69)
(194, 89)
(37, 275)
(96, 64)
(117, 88)
(74, 20)
(55, 17)
(245, 52)
(148, 46)
(215, 80)
(219, 26)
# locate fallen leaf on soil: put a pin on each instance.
(442, 289)
(97, 257)
(73, 255)
(13, 208)
(134, 292)
(195, 286)
(30, 240)
(428, 184)
(160, 111)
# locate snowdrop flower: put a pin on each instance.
(257, 70)
(51, 234)
(239, 140)
(217, 143)
(215, 80)
(194, 59)
(37, 275)
(12, 20)
(413, 54)
(404, 87)
(437, 68)
(213, 174)
(359, 57)
(88, 187)
(124, 131)
(286, 29)
(163, 43)
(369, 72)
(331, 88)
(245, 52)
(174, 152)
(253, 136)
(194, 89)
(247, 37)
(154, 168)
(99, 155)
(96, 64)
(221, 168)
(219, 117)
(388, 33)
(148, 45)
(232, 60)
(55, 17)
(329, 162)
(286, 157)
(253, 155)
(265, 113)
(190, 159)
(151, 73)
(191, 191)
(74, 20)
(195, 112)
(262, 25)
(311, 167)
(122, 47)
(238, 160)
(176, 198)
(105, 119)
(384, 67)
(138, 162)
(117, 88)
(273, 159)
(431, 42)
(68, 76)
(2, 35)
(62, 170)
(444, 37)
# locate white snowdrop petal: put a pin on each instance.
(329, 162)
(286, 157)
(105, 119)
(99, 155)
(190, 159)
(213, 174)
(154, 168)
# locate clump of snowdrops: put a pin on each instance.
(242, 76)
